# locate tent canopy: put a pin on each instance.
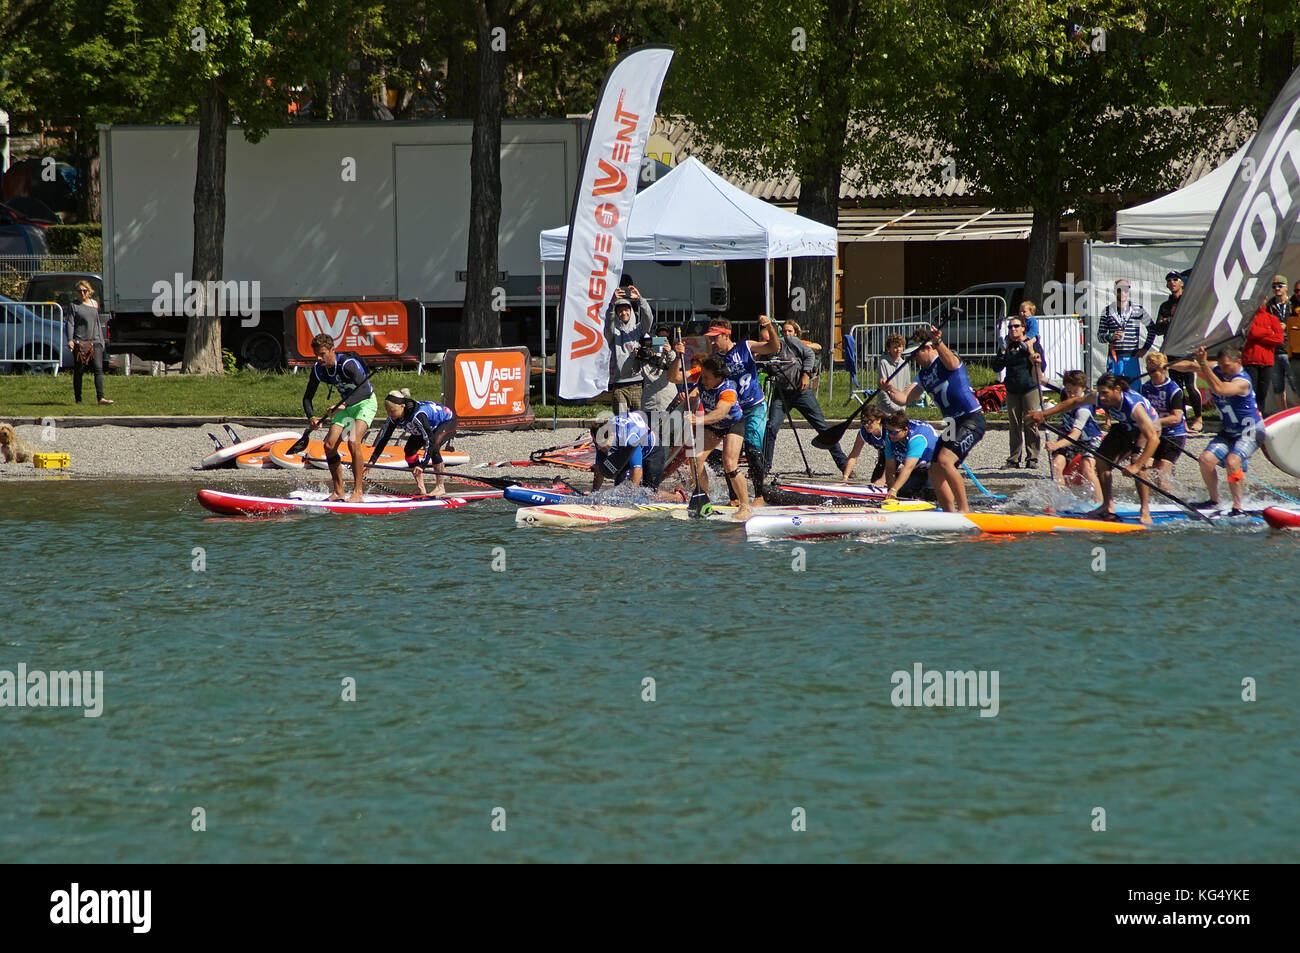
(1185, 214)
(692, 214)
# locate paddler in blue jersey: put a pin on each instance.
(1167, 397)
(870, 434)
(345, 372)
(626, 452)
(942, 375)
(1132, 419)
(427, 426)
(721, 422)
(1241, 426)
(909, 450)
(738, 359)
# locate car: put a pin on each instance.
(972, 327)
(27, 337)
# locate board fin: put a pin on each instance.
(234, 437)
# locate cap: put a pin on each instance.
(1174, 274)
(622, 303)
(715, 331)
(1281, 278)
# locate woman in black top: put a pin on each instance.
(87, 327)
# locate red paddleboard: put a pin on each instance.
(239, 504)
(1280, 517)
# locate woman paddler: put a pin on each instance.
(427, 425)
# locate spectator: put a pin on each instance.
(1186, 380)
(1293, 339)
(658, 389)
(627, 318)
(1022, 361)
(886, 366)
(1129, 330)
(88, 342)
(1026, 313)
(793, 371)
(1263, 337)
(1282, 308)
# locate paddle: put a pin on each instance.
(300, 444)
(1115, 466)
(829, 438)
(699, 504)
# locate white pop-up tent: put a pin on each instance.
(1186, 213)
(693, 214)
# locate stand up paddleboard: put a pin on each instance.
(1281, 441)
(239, 504)
(393, 457)
(833, 491)
(224, 455)
(1282, 517)
(877, 522)
(254, 461)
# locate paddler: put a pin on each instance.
(738, 359)
(1239, 432)
(626, 452)
(427, 425)
(914, 443)
(1132, 419)
(722, 422)
(347, 374)
(942, 375)
(870, 434)
(1167, 397)
(1082, 437)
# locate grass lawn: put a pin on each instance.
(259, 394)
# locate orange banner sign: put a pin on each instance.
(488, 389)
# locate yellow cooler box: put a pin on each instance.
(51, 461)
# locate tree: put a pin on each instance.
(774, 85)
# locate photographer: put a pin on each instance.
(658, 389)
(1023, 360)
(627, 319)
(792, 371)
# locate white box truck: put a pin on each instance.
(344, 211)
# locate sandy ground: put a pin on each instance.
(173, 453)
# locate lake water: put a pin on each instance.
(524, 689)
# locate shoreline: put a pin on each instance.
(147, 451)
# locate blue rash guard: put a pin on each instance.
(1235, 411)
(1081, 419)
(744, 372)
(920, 443)
(710, 397)
(951, 390)
(870, 440)
(1122, 415)
(1166, 398)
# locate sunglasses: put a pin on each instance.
(1015, 325)
(895, 430)
(1278, 284)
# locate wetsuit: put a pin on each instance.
(427, 426)
(348, 377)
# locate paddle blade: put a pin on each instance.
(300, 444)
(699, 504)
(905, 506)
(829, 438)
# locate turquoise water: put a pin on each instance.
(522, 689)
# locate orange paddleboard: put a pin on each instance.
(1003, 523)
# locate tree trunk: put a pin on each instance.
(203, 337)
(1044, 237)
(812, 291)
(481, 319)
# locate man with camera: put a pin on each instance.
(792, 372)
(627, 319)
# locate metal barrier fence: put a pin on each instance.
(24, 266)
(972, 320)
(33, 332)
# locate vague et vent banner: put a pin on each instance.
(1250, 231)
(593, 261)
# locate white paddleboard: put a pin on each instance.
(838, 522)
(226, 455)
(1281, 441)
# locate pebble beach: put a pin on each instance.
(114, 450)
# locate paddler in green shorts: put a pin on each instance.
(346, 373)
